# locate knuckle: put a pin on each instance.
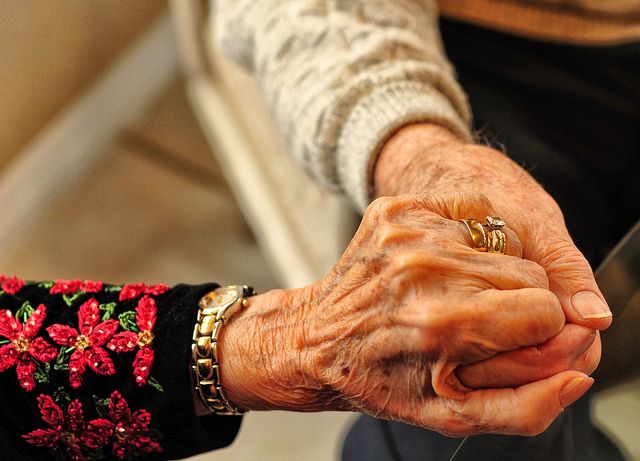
(549, 300)
(470, 203)
(390, 235)
(551, 319)
(408, 263)
(390, 208)
(533, 273)
(379, 208)
(538, 274)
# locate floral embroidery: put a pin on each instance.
(24, 349)
(73, 289)
(138, 289)
(88, 343)
(126, 434)
(11, 285)
(68, 429)
(127, 341)
(69, 435)
(132, 430)
(68, 287)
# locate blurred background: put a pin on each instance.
(109, 171)
(130, 151)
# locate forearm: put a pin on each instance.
(267, 362)
(340, 77)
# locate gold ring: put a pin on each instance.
(496, 242)
(477, 232)
(487, 237)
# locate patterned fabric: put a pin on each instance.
(88, 384)
(122, 434)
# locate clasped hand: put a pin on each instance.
(414, 325)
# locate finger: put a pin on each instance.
(484, 325)
(452, 264)
(525, 410)
(574, 348)
(507, 320)
(570, 278)
(459, 206)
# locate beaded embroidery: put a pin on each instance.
(118, 432)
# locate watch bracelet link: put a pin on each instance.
(215, 308)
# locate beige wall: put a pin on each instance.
(51, 50)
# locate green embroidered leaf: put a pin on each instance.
(108, 310)
(24, 312)
(46, 285)
(1, 292)
(102, 406)
(62, 361)
(42, 373)
(153, 382)
(113, 289)
(4, 341)
(128, 321)
(69, 300)
(61, 397)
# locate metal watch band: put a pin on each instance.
(215, 308)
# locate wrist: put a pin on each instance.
(426, 158)
(262, 357)
(403, 156)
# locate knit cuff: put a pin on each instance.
(375, 118)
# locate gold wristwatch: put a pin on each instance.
(215, 308)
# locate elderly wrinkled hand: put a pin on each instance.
(429, 158)
(408, 307)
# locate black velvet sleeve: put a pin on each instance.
(92, 371)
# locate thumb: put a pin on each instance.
(528, 409)
(571, 279)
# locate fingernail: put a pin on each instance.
(573, 390)
(589, 306)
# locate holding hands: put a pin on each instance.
(415, 325)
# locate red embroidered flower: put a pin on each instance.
(137, 289)
(91, 286)
(11, 285)
(69, 434)
(131, 429)
(24, 346)
(88, 343)
(67, 287)
(128, 340)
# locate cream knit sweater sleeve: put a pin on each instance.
(340, 76)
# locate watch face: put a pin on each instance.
(226, 295)
(220, 297)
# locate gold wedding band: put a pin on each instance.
(496, 242)
(478, 235)
(487, 237)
